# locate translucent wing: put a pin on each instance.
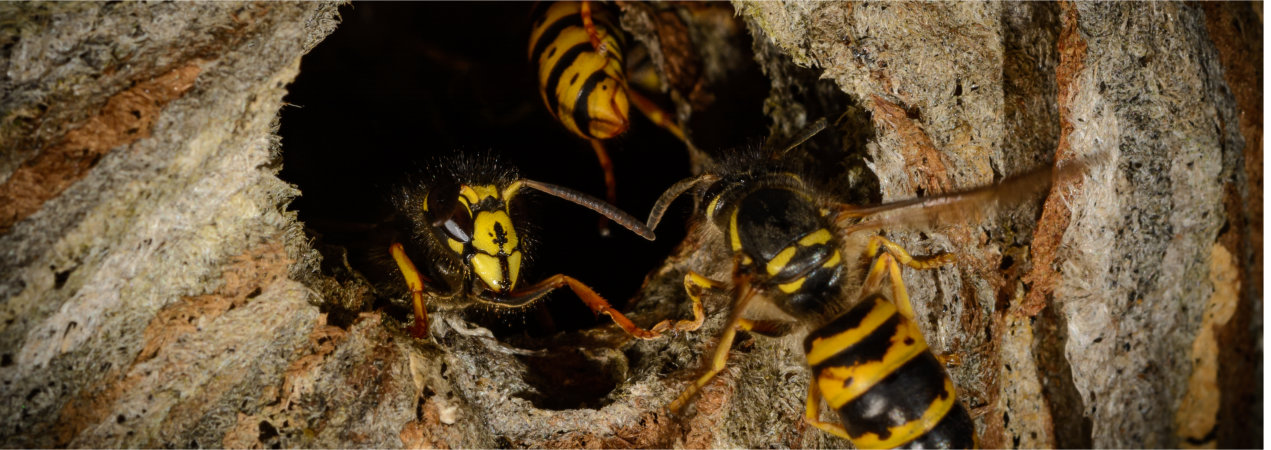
(958, 207)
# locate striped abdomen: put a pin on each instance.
(874, 368)
(583, 86)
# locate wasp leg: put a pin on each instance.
(657, 115)
(584, 10)
(611, 190)
(720, 357)
(890, 261)
(695, 284)
(589, 297)
(813, 414)
(415, 282)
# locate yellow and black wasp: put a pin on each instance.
(461, 223)
(578, 51)
(806, 254)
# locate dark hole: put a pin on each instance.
(460, 81)
(6, 360)
(59, 278)
(119, 418)
(1007, 262)
(136, 113)
(267, 431)
(254, 293)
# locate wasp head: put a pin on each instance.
(474, 221)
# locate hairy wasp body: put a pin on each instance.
(813, 258)
(462, 224)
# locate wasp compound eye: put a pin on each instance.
(459, 225)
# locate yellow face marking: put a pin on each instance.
(474, 194)
(492, 233)
(779, 262)
(906, 344)
(487, 267)
(825, 347)
(792, 286)
(911, 430)
(514, 266)
(832, 261)
(820, 236)
(455, 246)
(734, 239)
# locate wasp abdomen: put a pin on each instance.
(582, 85)
(876, 371)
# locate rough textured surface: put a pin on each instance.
(149, 289)
(1117, 275)
(155, 293)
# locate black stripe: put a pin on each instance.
(870, 348)
(552, 32)
(899, 398)
(582, 117)
(847, 321)
(558, 70)
(539, 10)
(954, 431)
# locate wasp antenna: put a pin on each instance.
(806, 133)
(613, 213)
(669, 196)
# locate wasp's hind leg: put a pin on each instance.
(415, 282)
(890, 262)
(813, 413)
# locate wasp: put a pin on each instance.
(809, 255)
(460, 221)
(578, 50)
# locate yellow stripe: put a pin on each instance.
(832, 261)
(779, 262)
(710, 208)
(911, 430)
(825, 347)
(792, 286)
(733, 238)
(455, 246)
(820, 236)
(865, 376)
(554, 13)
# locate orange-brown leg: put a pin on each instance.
(415, 282)
(611, 188)
(694, 284)
(589, 297)
(813, 413)
(590, 26)
(657, 115)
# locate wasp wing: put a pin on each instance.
(966, 206)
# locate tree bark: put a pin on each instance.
(157, 292)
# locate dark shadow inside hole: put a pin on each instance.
(399, 84)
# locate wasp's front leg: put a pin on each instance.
(415, 282)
